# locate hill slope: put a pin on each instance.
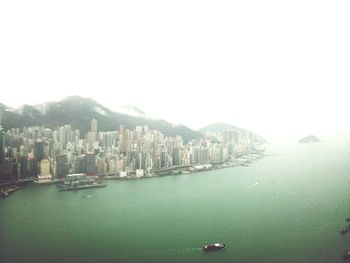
(78, 112)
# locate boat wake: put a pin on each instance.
(193, 248)
(254, 184)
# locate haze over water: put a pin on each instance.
(287, 207)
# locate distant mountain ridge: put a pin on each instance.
(78, 112)
(219, 127)
(222, 126)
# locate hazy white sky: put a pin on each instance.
(276, 67)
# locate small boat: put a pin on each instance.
(346, 254)
(345, 229)
(212, 247)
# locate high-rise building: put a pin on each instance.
(31, 167)
(139, 129)
(62, 168)
(44, 174)
(94, 125)
(62, 137)
(176, 155)
(120, 165)
(163, 160)
(44, 167)
(121, 129)
(90, 159)
(81, 167)
(8, 172)
(23, 172)
(68, 133)
(38, 151)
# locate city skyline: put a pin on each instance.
(174, 131)
(46, 154)
(275, 68)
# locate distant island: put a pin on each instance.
(308, 139)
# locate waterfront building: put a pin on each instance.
(139, 173)
(8, 171)
(31, 167)
(81, 164)
(44, 167)
(44, 175)
(23, 167)
(101, 166)
(123, 174)
(176, 156)
(112, 166)
(62, 168)
(120, 165)
(90, 162)
(163, 159)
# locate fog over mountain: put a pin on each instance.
(218, 127)
(79, 111)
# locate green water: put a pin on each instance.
(293, 214)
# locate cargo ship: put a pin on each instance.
(212, 247)
(79, 182)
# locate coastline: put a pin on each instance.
(243, 159)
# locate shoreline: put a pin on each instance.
(244, 160)
(174, 171)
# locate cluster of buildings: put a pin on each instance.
(47, 154)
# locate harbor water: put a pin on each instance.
(286, 207)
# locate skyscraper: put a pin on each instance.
(90, 159)
(94, 125)
(62, 137)
(44, 167)
(81, 167)
(23, 167)
(31, 167)
(62, 168)
(38, 151)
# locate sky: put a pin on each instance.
(277, 67)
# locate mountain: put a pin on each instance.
(222, 126)
(78, 112)
(218, 127)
